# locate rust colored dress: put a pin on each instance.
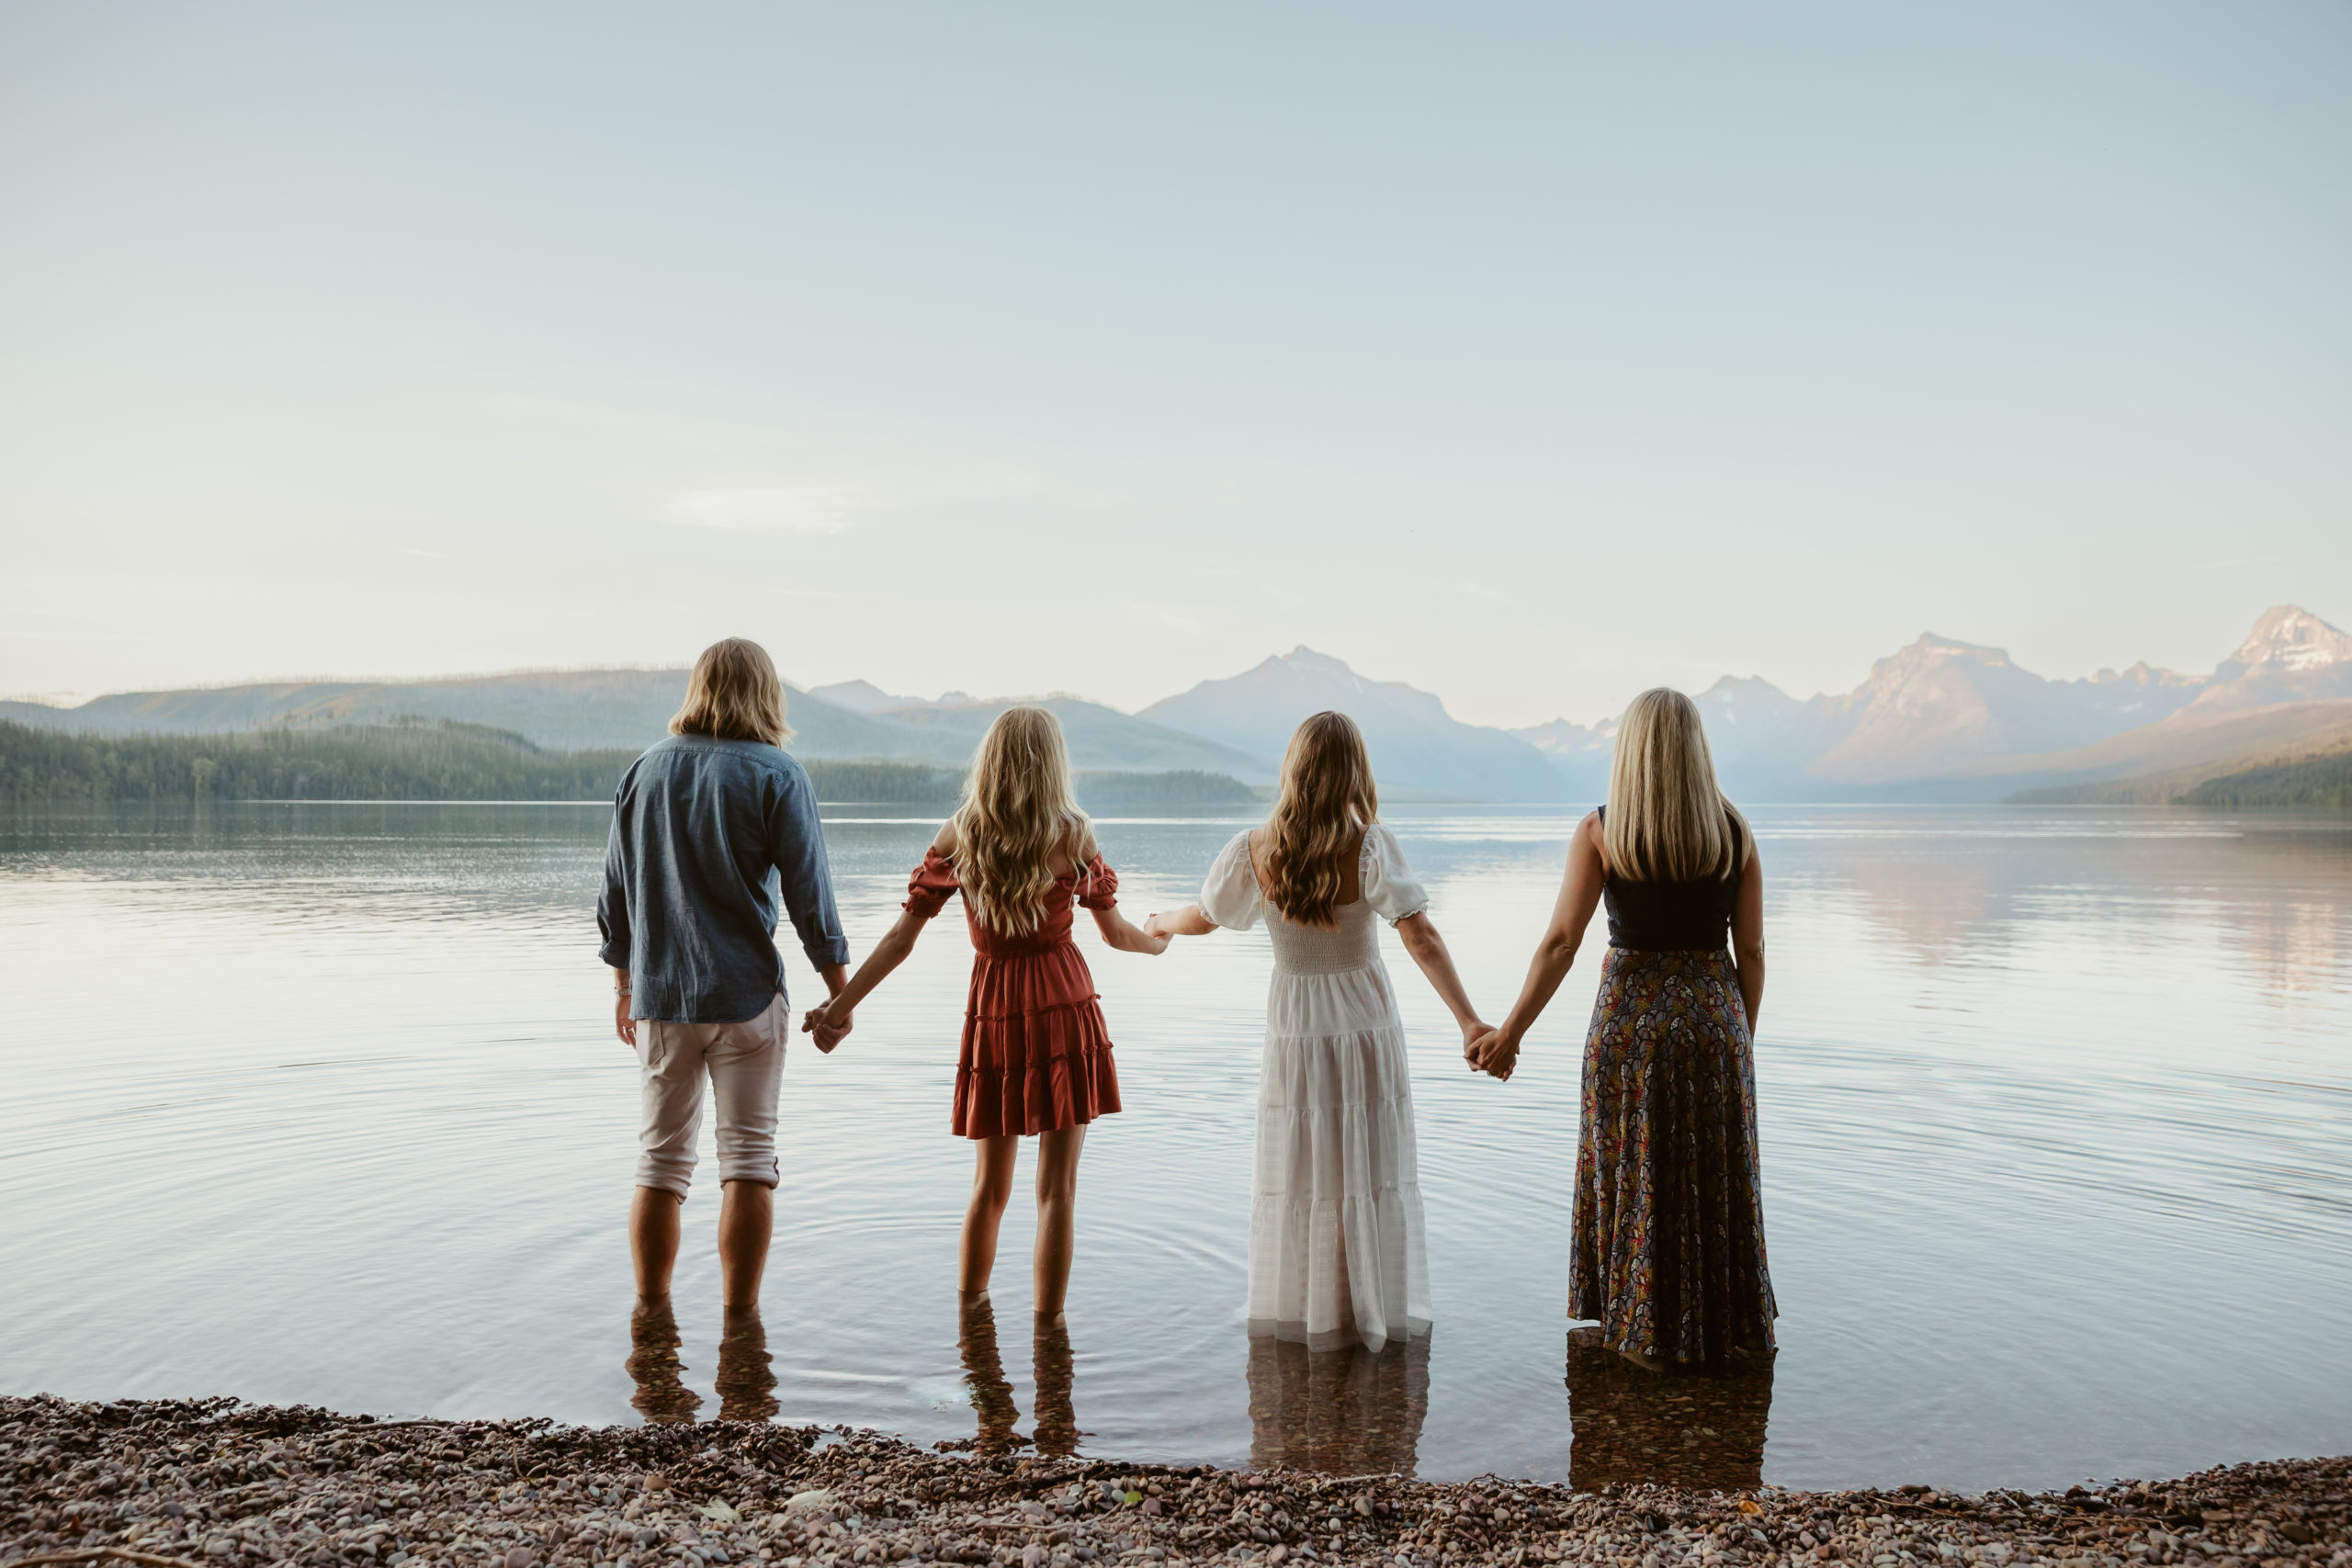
(1036, 1055)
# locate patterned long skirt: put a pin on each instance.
(1669, 1226)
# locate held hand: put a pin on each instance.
(828, 1032)
(1156, 943)
(1152, 927)
(624, 1025)
(1495, 1053)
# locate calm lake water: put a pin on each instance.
(321, 1103)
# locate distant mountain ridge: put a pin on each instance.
(1942, 719)
(1416, 745)
(1938, 719)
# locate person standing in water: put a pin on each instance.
(1036, 1055)
(1336, 1250)
(1669, 1220)
(713, 829)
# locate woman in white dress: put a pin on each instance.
(1336, 1246)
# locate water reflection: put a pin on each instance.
(989, 1390)
(1700, 1432)
(1347, 1412)
(661, 1395)
(1057, 1432)
(746, 1382)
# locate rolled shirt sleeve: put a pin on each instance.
(612, 903)
(797, 844)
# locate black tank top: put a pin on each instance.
(1674, 917)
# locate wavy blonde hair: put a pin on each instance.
(734, 694)
(1018, 807)
(1327, 799)
(1666, 821)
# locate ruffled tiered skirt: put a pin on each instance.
(1338, 1252)
(1036, 1055)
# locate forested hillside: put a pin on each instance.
(2323, 781)
(453, 762)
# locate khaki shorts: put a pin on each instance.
(745, 1065)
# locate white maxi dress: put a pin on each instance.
(1337, 1186)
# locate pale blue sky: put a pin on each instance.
(1530, 353)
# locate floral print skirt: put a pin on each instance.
(1669, 1224)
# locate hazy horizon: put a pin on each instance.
(1529, 356)
(934, 691)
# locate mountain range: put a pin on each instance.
(1940, 719)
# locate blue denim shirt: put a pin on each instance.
(706, 834)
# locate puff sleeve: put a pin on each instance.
(1230, 896)
(1098, 886)
(1388, 885)
(930, 887)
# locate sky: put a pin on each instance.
(1531, 353)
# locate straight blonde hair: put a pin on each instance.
(1666, 821)
(734, 694)
(1327, 799)
(1019, 807)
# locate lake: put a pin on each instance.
(320, 1103)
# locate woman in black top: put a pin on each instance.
(1669, 1228)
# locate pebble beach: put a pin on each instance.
(218, 1483)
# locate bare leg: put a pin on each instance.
(653, 1240)
(991, 1189)
(746, 1219)
(1056, 1214)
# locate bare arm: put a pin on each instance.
(1428, 947)
(829, 1022)
(1748, 936)
(1186, 921)
(622, 1025)
(1580, 896)
(1126, 935)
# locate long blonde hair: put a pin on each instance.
(1019, 807)
(1327, 799)
(1666, 821)
(734, 694)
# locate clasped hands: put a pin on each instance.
(1490, 1051)
(819, 1023)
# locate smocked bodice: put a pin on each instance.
(1352, 942)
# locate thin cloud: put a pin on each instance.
(772, 509)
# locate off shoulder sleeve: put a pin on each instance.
(1389, 884)
(930, 887)
(1230, 896)
(1098, 886)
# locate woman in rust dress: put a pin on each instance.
(1036, 1055)
(1669, 1220)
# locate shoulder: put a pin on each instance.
(944, 840)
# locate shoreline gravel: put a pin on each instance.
(222, 1485)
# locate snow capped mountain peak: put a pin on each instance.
(2292, 637)
(1933, 648)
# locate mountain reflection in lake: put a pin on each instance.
(319, 1104)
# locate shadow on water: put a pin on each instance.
(1702, 1432)
(1348, 1412)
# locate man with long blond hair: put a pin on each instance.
(713, 829)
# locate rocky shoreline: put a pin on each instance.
(215, 1483)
